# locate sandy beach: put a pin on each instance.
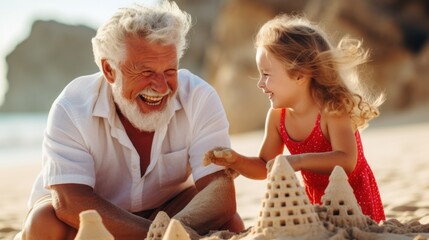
(395, 146)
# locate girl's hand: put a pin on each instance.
(220, 156)
(270, 165)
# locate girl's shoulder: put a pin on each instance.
(334, 115)
(275, 113)
(274, 117)
(332, 119)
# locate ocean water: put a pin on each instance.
(21, 137)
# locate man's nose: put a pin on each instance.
(159, 83)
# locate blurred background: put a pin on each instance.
(45, 44)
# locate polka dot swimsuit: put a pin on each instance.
(361, 179)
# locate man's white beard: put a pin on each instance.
(147, 122)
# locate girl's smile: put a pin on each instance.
(275, 81)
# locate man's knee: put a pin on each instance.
(42, 223)
(234, 224)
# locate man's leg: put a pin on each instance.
(42, 223)
(235, 224)
(180, 201)
(172, 206)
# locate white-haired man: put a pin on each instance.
(129, 141)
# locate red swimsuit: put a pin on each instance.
(361, 179)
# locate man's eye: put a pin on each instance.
(146, 73)
(170, 72)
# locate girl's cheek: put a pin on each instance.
(268, 84)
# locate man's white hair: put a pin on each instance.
(164, 23)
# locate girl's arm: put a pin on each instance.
(344, 149)
(252, 167)
(272, 144)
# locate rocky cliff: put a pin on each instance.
(42, 65)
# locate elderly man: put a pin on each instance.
(129, 141)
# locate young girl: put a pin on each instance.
(314, 110)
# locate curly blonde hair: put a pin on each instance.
(304, 49)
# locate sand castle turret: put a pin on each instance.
(176, 231)
(342, 207)
(158, 227)
(286, 209)
(91, 227)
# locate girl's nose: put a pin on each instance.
(261, 83)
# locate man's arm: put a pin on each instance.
(70, 199)
(213, 206)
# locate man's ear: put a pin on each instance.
(108, 71)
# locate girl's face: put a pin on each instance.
(275, 81)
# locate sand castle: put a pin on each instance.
(287, 214)
(91, 227)
(286, 209)
(342, 207)
(175, 231)
(158, 226)
(163, 228)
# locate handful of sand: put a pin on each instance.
(220, 153)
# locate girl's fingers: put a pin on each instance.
(224, 153)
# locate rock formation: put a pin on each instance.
(44, 63)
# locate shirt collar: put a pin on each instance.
(104, 106)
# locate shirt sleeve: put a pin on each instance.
(65, 156)
(210, 129)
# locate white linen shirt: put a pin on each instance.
(86, 143)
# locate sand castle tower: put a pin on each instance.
(342, 207)
(158, 227)
(286, 209)
(91, 227)
(176, 231)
